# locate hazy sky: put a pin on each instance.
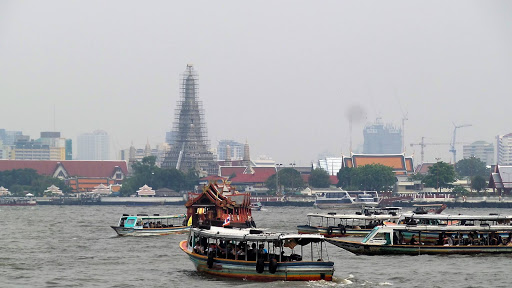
(279, 74)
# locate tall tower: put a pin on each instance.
(190, 149)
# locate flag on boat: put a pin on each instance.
(227, 221)
(189, 221)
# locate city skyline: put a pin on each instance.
(284, 82)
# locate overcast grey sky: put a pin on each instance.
(279, 74)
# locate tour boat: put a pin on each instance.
(340, 199)
(250, 254)
(341, 225)
(220, 205)
(146, 225)
(383, 240)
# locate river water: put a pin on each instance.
(74, 246)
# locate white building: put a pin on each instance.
(481, 150)
(504, 147)
(93, 146)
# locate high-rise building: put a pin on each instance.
(190, 149)
(69, 149)
(481, 150)
(382, 139)
(504, 147)
(93, 146)
(236, 150)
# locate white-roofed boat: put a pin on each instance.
(341, 225)
(257, 255)
(341, 199)
(455, 240)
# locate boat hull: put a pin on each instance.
(123, 231)
(286, 271)
(371, 249)
(332, 232)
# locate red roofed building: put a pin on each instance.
(247, 175)
(81, 176)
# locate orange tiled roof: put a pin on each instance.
(397, 162)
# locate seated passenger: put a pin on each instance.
(413, 240)
(198, 248)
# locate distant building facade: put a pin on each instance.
(235, 149)
(481, 150)
(382, 139)
(93, 146)
(504, 147)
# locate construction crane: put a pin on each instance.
(452, 148)
(422, 144)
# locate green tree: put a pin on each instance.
(319, 178)
(345, 178)
(289, 179)
(459, 190)
(375, 177)
(478, 183)
(146, 172)
(20, 181)
(440, 175)
(368, 177)
(471, 167)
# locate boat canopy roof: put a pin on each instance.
(428, 205)
(457, 217)
(354, 216)
(157, 216)
(445, 228)
(247, 234)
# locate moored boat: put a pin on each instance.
(342, 225)
(257, 255)
(341, 199)
(384, 240)
(146, 225)
(17, 201)
(256, 206)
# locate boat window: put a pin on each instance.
(370, 235)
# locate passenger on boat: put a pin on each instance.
(198, 248)
(262, 250)
(251, 253)
(447, 240)
(413, 240)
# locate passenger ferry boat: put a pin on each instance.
(340, 199)
(146, 225)
(342, 225)
(384, 240)
(412, 219)
(251, 254)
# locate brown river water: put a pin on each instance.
(74, 246)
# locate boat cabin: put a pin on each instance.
(141, 221)
(251, 244)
